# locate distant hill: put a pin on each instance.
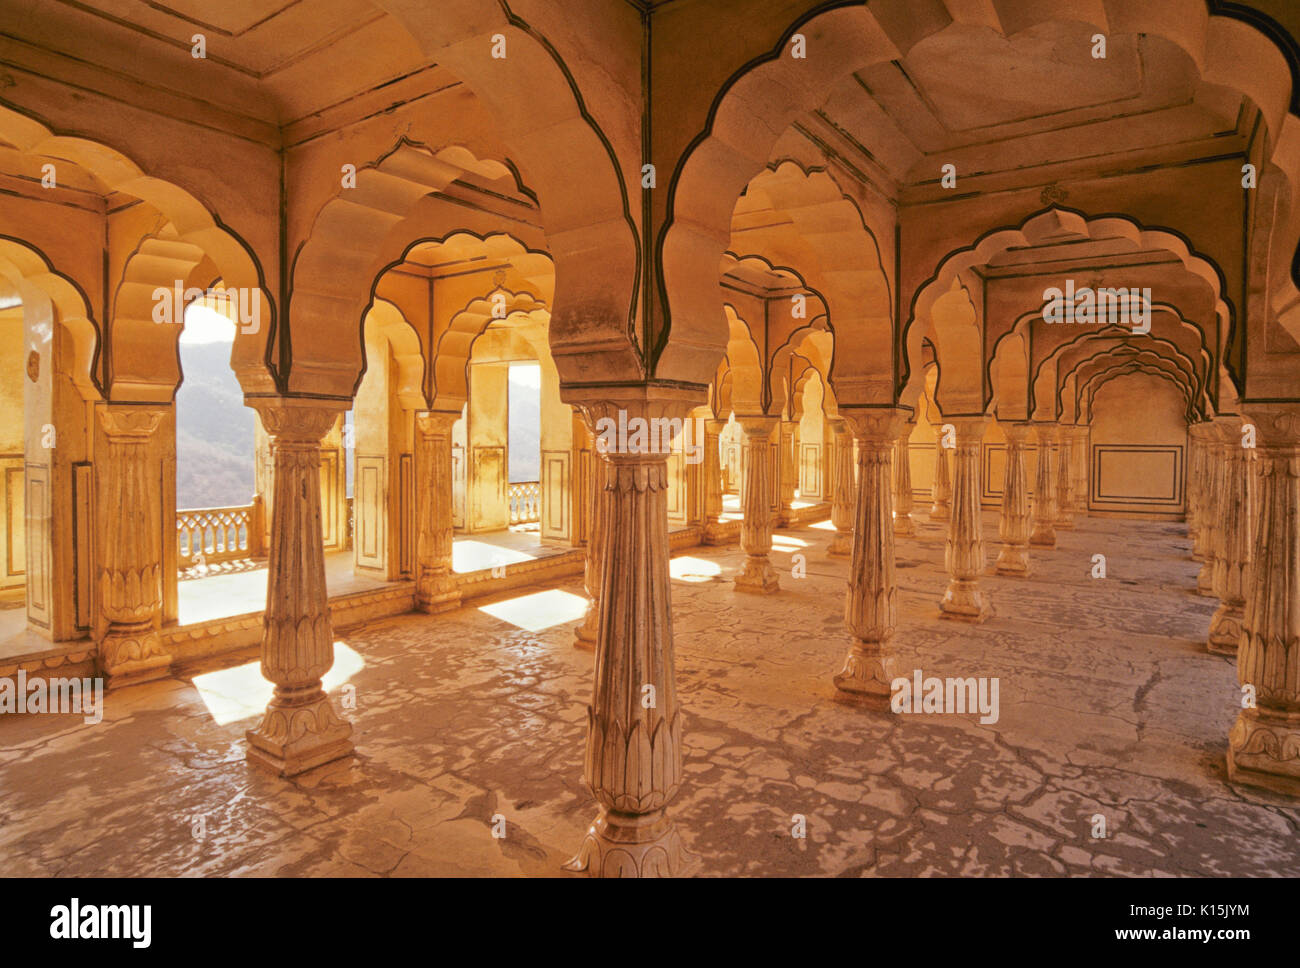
(214, 431)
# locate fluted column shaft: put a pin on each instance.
(1212, 520)
(1064, 479)
(1015, 523)
(435, 581)
(1236, 546)
(713, 506)
(756, 491)
(964, 553)
(903, 503)
(300, 728)
(587, 633)
(789, 470)
(1197, 472)
(1043, 534)
(130, 580)
(1264, 744)
(871, 608)
(633, 762)
(941, 488)
(842, 490)
(1079, 449)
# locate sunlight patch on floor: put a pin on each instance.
(241, 693)
(540, 610)
(469, 555)
(686, 568)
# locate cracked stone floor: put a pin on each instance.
(1109, 705)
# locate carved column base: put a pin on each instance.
(1064, 523)
(131, 654)
(1205, 578)
(440, 594)
(586, 634)
(1043, 535)
(758, 576)
(632, 845)
(868, 670)
(841, 545)
(786, 518)
(1264, 751)
(904, 526)
(1225, 628)
(965, 602)
(715, 533)
(940, 513)
(299, 731)
(1013, 560)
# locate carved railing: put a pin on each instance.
(525, 499)
(218, 534)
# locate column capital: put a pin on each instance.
(758, 425)
(970, 430)
(1016, 431)
(127, 424)
(880, 424)
(434, 422)
(1277, 425)
(297, 419)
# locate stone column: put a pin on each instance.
(842, 490)
(964, 554)
(130, 578)
(1211, 520)
(1079, 449)
(1064, 480)
(1043, 534)
(789, 471)
(300, 729)
(1015, 523)
(713, 533)
(871, 608)
(1236, 545)
(903, 523)
(941, 489)
(1264, 744)
(1194, 490)
(756, 488)
(633, 763)
(588, 633)
(435, 581)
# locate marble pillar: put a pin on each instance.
(633, 762)
(587, 633)
(1079, 450)
(1016, 522)
(300, 728)
(713, 530)
(435, 581)
(941, 489)
(1195, 473)
(756, 490)
(130, 577)
(1264, 744)
(1064, 479)
(904, 526)
(789, 471)
(1235, 547)
(1043, 533)
(1211, 520)
(843, 498)
(964, 553)
(871, 609)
